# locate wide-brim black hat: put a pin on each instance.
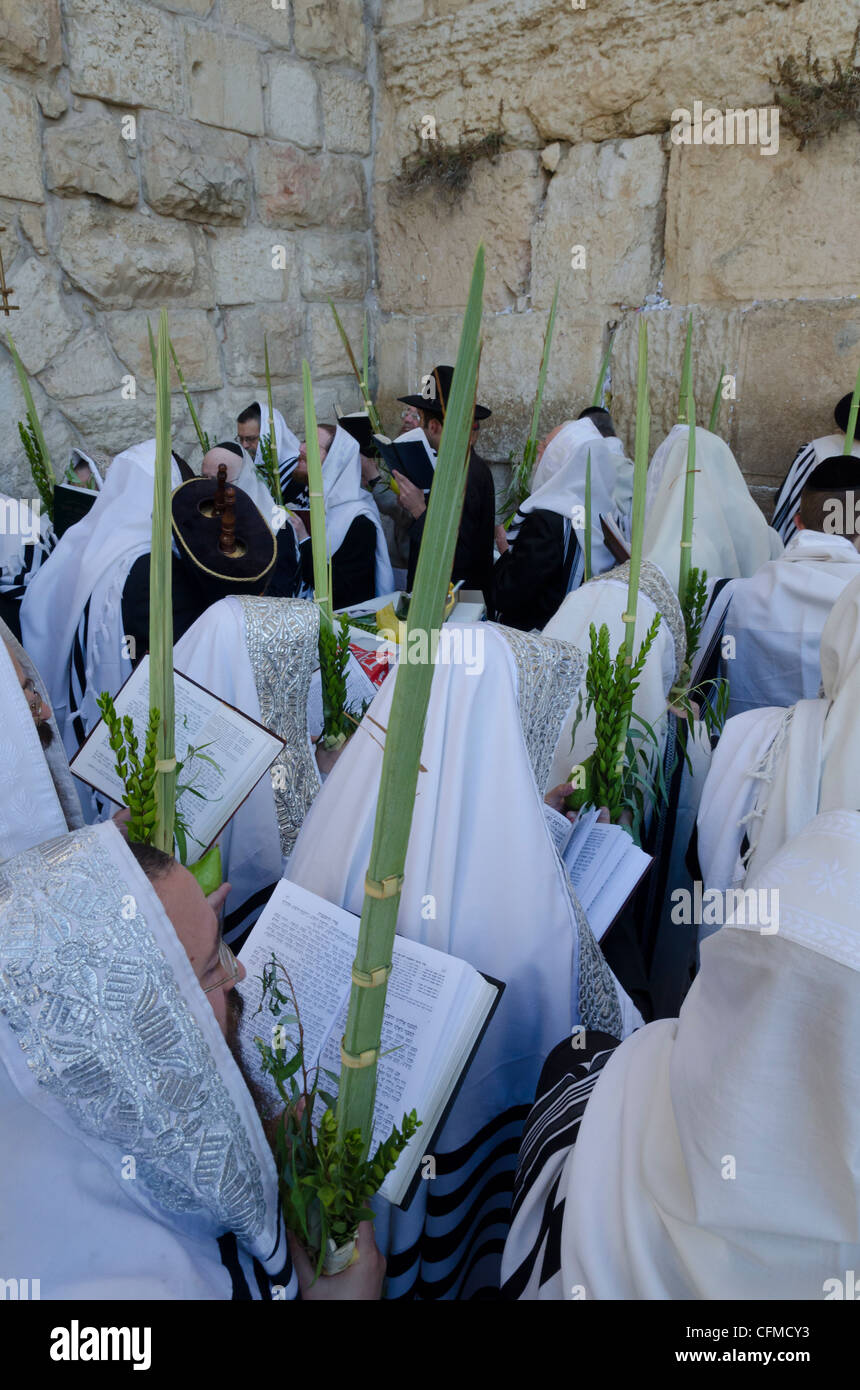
(360, 428)
(437, 403)
(841, 413)
(248, 568)
(838, 473)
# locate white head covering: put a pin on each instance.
(604, 600)
(559, 483)
(761, 1072)
(286, 445)
(259, 654)
(730, 535)
(776, 618)
(346, 499)
(816, 764)
(500, 898)
(30, 807)
(127, 1133)
(92, 562)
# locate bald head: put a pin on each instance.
(220, 454)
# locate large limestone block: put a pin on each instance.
(20, 150)
(224, 81)
(716, 347)
(426, 248)
(612, 70)
(333, 394)
(45, 323)
(268, 19)
(332, 30)
(333, 264)
(294, 104)
(125, 52)
(193, 336)
(200, 8)
(745, 226)
(91, 158)
(111, 424)
(328, 356)
(283, 327)
(796, 361)
(85, 367)
(347, 106)
(295, 189)
(394, 368)
(193, 171)
(256, 263)
(30, 34)
(123, 258)
(600, 233)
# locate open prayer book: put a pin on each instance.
(436, 1011)
(236, 752)
(409, 457)
(616, 542)
(602, 862)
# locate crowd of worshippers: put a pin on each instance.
(668, 1112)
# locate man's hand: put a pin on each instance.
(557, 797)
(410, 497)
(363, 1279)
(502, 542)
(298, 526)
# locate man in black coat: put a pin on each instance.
(473, 556)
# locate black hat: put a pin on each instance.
(436, 403)
(246, 566)
(841, 413)
(837, 473)
(360, 428)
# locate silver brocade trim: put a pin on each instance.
(96, 1008)
(653, 583)
(549, 675)
(282, 637)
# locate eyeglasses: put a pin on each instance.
(33, 698)
(226, 959)
(248, 441)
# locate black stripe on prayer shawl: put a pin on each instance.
(78, 673)
(229, 1252)
(236, 927)
(563, 1092)
(286, 469)
(449, 1253)
(788, 497)
(567, 1080)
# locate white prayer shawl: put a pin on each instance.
(483, 882)
(127, 1134)
(30, 806)
(730, 536)
(775, 620)
(604, 600)
(729, 794)
(559, 484)
(622, 493)
(286, 447)
(807, 757)
(259, 654)
(92, 563)
(19, 523)
(806, 460)
(760, 1071)
(345, 500)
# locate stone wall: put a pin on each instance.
(761, 248)
(257, 127)
(251, 126)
